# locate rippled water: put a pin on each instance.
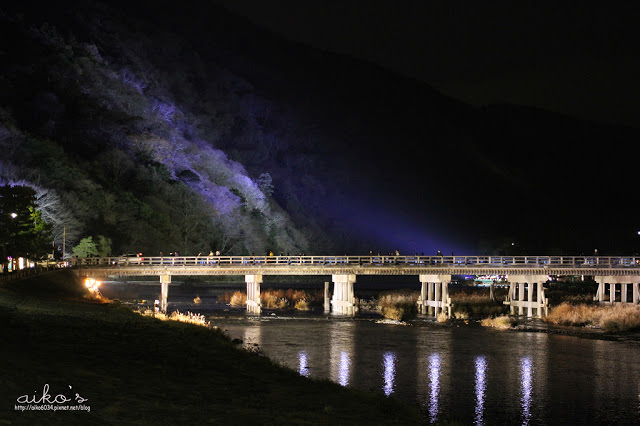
(470, 374)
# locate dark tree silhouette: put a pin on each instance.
(23, 232)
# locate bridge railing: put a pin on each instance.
(382, 260)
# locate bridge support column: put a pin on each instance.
(524, 285)
(431, 295)
(511, 295)
(423, 296)
(613, 281)
(253, 293)
(327, 301)
(434, 295)
(164, 292)
(612, 292)
(600, 292)
(343, 301)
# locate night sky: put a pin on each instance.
(577, 59)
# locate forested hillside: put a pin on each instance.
(99, 134)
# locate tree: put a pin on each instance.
(85, 248)
(38, 237)
(103, 246)
(23, 232)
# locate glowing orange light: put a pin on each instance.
(92, 284)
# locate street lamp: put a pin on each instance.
(14, 215)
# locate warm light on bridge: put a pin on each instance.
(92, 285)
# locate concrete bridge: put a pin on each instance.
(526, 275)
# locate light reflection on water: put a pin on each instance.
(341, 345)
(303, 367)
(481, 387)
(251, 337)
(472, 375)
(343, 369)
(526, 379)
(434, 382)
(389, 360)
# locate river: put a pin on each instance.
(461, 373)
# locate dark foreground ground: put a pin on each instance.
(118, 367)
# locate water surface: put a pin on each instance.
(469, 374)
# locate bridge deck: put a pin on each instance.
(362, 265)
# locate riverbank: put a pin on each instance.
(126, 368)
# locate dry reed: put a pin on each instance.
(442, 317)
(238, 298)
(398, 306)
(279, 299)
(302, 305)
(188, 317)
(282, 299)
(615, 318)
(502, 322)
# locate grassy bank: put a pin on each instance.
(135, 369)
(615, 318)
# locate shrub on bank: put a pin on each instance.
(442, 317)
(399, 306)
(283, 299)
(273, 300)
(569, 314)
(369, 304)
(302, 305)
(238, 298)
(621, 318)
(501, 322)
(615, 318)
(475, 302)
(279, 299)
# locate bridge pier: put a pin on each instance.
(434, 295)
(165, 280)
(521, 295)
(613, 282)
(327, 300)
(253, 293)
(343, 301)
